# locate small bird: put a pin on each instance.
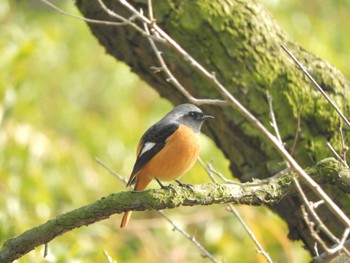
(168, 149)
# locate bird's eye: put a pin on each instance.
(192, 114)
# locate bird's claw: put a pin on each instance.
(165, 187)
(184, 185)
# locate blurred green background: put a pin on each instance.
(64, 102)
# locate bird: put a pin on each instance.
(168, 149)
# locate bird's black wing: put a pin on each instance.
(150, 144)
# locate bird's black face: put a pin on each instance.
(195, 115)
(199, 116)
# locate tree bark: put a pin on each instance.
(240, 41)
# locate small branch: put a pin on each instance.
(261, 250)
(171, 78)
(205, 252)
(209, 169)
(345, 148)
(340, 257)
(301, 67)
(121, 18)
(150, 10)
(336, 154)
(273, 118)
(88, 20)
(108, 257)
(297, 132)
(319, 225)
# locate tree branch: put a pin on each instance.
(205, 194)
(254, 193)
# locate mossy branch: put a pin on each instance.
(255, 193)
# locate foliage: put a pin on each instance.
(64, 102)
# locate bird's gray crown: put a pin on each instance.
(187, 114)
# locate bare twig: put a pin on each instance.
(209, 169)
(118, 176)
(88, 20)
(337, 155)
(340, 245)
(150, 10)
(301, 67)
(273, 118)
(314, 234)
(108, 257)
(261, 250)
(311, 206)
(171, 78)
(123, 19)
(319, 224)
(345, 148)
(297, 132)
(46, 250)
(205, 252)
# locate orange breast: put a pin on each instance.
(176, 158)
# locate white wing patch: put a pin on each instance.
(146, 147)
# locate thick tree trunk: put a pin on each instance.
(240, 42)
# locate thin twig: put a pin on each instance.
(311, 226)
(119, 177)
(320, 225)
(209, 169)
(46, 250)
(340, 245)
(108, 257)
(171, 78)
(121, 18)
(336, 154)
(89, 20)
(310, 208)
(301, 67)
(150, 10)
(345, 148)
(205, 252)
(261, 250)
(297, 132)
(273, 118)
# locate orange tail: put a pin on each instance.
(140, 185)
(125, 219)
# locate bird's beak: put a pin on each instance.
(207, 117)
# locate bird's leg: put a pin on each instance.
(184, 185)
(165, 187)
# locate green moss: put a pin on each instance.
(191, 19)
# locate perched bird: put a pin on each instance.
(168, 149)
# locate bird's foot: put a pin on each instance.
(184, 185)
(165, 187)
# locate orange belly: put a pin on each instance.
(176, 158)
